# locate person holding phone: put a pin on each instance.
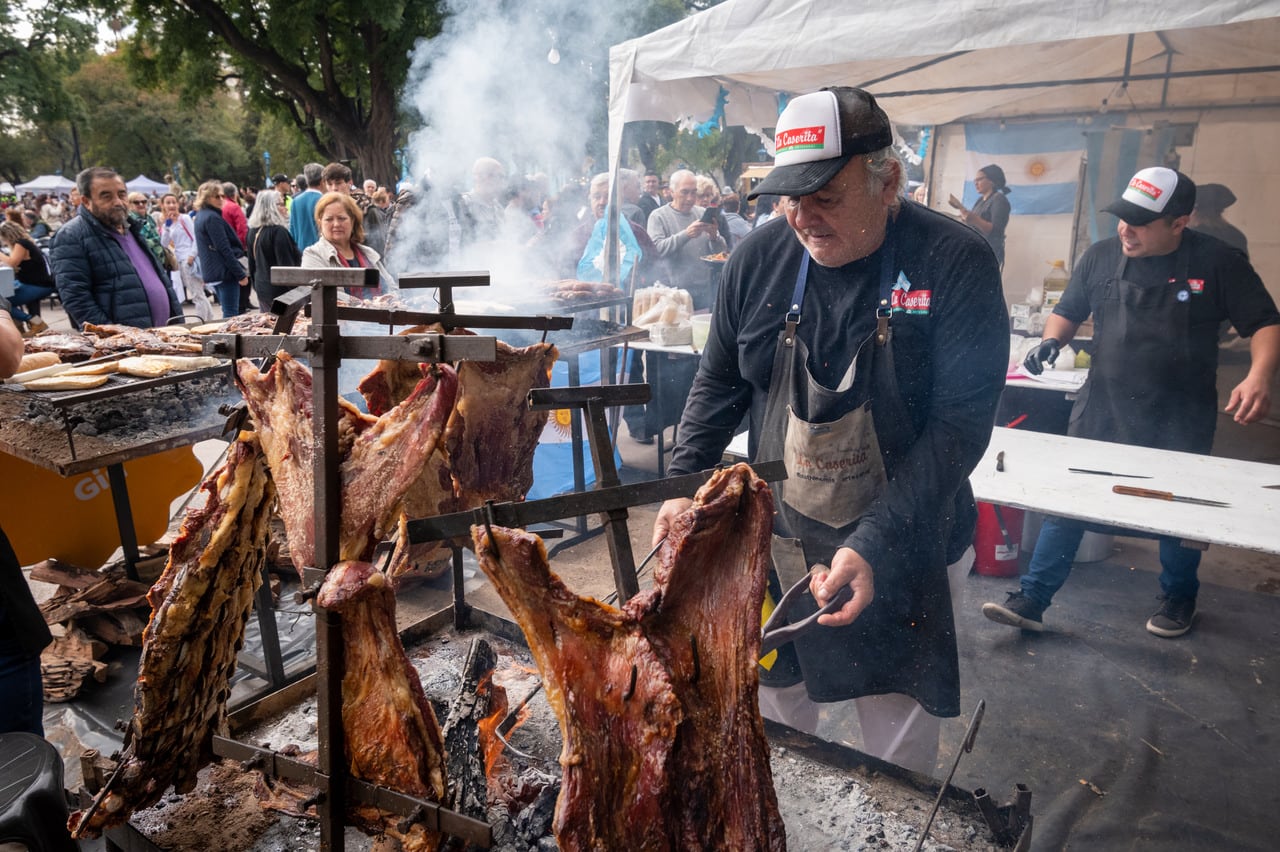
(683, 237)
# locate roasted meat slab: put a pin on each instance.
(392, 736)
(199, 608)
(664, 746)
(493, 432)
(487, 452)
(380, 457)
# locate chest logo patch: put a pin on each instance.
(1196, 285)
(911, 302)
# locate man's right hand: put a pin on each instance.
(666, 517)
(1045, 353)
(697, 228)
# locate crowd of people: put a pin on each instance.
(120, 256)
(213, 248)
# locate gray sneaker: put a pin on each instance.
(1018, 610)
(1173, 618)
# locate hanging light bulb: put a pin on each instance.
(553, 56)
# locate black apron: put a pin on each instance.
(1152, 382)
(904, 641)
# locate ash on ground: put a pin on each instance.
(823, 807)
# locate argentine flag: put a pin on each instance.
(553, 459)
(1041, 163)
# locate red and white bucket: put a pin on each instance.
(997, 540)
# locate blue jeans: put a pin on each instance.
(21, 691)
(228, 298)
(1056, 549)
(27, 294)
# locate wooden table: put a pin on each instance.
(661, 354)
(1035, 477)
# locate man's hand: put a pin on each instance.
(244, 280)
(847, 569)
(666, 517)
(697, 229)
(1250, 400)
(1045, 353)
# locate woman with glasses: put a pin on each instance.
(341, 242)
(223, 263)
(178, 234)
(990, 216)
(270, 245)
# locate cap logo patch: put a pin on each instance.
(1150, 190)
(801, 138)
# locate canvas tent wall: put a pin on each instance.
(964, 62)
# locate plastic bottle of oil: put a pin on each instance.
(1055, 283)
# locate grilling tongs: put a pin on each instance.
(777, 632)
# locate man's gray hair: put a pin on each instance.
(314, 173)
(85, 179)
(679, 175)
(230, 190)
(598, 180)
(885, 167)
(628, 177)
(266, 210)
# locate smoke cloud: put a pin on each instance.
(486, 88)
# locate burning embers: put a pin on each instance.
(664, 746)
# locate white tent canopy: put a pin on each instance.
(936, 63)
(47, 183)
(146, 185)
(6, 188)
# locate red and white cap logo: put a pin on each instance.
(808, 130)
(1151, 188)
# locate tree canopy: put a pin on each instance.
(331, 68)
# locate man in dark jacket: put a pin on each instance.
(104, 271)
(866, 339)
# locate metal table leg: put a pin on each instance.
(124, 519)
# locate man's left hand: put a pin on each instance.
(847, 569)
(1250, 400)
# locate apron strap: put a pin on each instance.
(797, 299)
(888, 277)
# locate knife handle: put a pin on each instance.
(1142, 492)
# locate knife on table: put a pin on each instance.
(1108, 473)
(1164, 495)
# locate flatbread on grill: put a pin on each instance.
(36, 360)
(58, 383)
(154, 366)
(100, 369)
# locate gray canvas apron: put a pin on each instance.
(1153, 378)
(904, 641)
(827, 439)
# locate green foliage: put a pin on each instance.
(149, 131)
(39, 45)
(719, 154)
(331, 68)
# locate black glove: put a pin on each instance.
(1045, 353)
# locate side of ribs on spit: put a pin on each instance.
(393, 738)
(664, 746)
(200, 605)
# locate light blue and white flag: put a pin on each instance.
(553, 459)
(1041, 163)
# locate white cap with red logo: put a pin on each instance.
(818, 133)
(1153, 193)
